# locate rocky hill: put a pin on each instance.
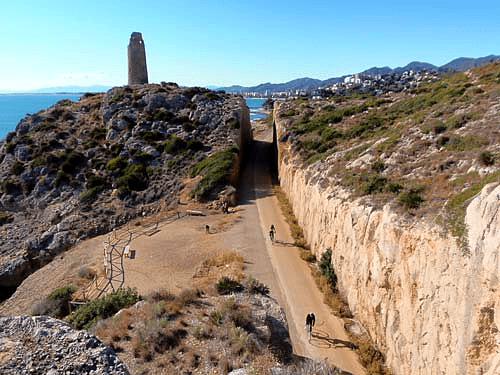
(81, 168)
(403, 188)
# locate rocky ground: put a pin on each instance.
(43, 345)
(78, 169)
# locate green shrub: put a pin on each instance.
(464, 143)
(116, 149)
(10, 187)
(57, 302)
(269, 120)
(134, 178)
(141, 156)
(439, 127)
(159, 115)
(364, 127)
(10, 147)
(174, 145)
(150, 136)
(214, 170)
(90, 194)
(116, 163)
(330, 133)
(412, 198)
(377, 166)
(10, 136)
(37, 162)
(256, 287)
(73, 162)
(119, 95)
(211, 95)
(456, 121)
(374, 102)
(226, 285)
(394, 187)
(170, 163)
(103, 307)
(375, 183)
(63, 293)
(307, 255)
(326, 268)
(487, 158)
(97, 134)
(188, 126)
(62, 178)
(17, 168)
(443, 140)
(5, 218)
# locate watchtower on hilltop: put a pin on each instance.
(137, 68)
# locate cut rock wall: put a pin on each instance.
(430, 308)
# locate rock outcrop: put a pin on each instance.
(43, 345)
(430, 306)
(79, 169)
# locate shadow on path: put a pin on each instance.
(321, 339)
(283, 243)
(259, 158)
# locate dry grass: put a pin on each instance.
(228, 264)
(188, 333)
(295, 229)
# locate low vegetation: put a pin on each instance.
(214, 170)
(103, 307)
(410, 150)
(296, 230)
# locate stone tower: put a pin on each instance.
(137, 68)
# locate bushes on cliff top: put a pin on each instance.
(174, 145)
(214, 170)
(103, 307)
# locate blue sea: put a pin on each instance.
(14, 107)
(255, 106)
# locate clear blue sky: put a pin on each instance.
(47, 43)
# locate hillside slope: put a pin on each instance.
(81, 168)
(404, 190)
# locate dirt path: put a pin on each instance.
(301, 296)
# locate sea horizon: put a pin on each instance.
(14, 107)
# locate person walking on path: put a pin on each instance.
(310, 321)
(272, 231)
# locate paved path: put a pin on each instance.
(282, 269)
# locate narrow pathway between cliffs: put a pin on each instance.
(294, 285)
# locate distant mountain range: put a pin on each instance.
(460, 64)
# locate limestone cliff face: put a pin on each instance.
(429, 307)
